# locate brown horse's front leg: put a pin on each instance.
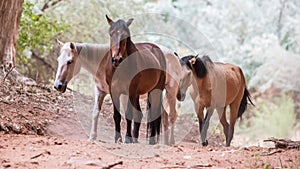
(205, 126)
(117, 119)
(134, 110)
(200, 116)
(137, 117)
(128, 115)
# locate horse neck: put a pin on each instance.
(91, 56)
(130, 47)
(202, 83)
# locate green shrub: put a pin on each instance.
(274, 118)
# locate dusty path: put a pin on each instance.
(51, 136)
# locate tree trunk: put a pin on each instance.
(10, 14)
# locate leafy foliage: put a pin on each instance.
(36, 32)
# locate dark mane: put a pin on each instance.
(200, 65)
(185, 61)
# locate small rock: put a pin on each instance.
(17, 128)
(6, 165)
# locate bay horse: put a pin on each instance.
(74, 56)
(134, 71)
(215, 86)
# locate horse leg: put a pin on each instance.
(171, 98)
(200, 116)
(222, 116)
(155, 115)
(233, 116)
(165, 121)
(129, 116)
(117, 119)
(137, 117)
(99, 97)
(206, 125)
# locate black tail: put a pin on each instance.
(154, 120)
(244, 103)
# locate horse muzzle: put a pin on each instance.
(116, 61)
(59, 86)
(180, 96)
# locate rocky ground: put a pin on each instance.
(39, 128)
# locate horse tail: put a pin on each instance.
(154, 121)
(244, 103)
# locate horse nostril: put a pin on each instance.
(58, 85)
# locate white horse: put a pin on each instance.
(73, 56)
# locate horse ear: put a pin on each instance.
(193, 60)
(72, 45)
(109, 21)
(129, 22)
(176, 54)
(59, 42)
(197, 56)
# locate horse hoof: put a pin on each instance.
(91, 139)
(128, 139)
(135, 140)
(205, 143)
(172, 142)
(152, 141)
(118, 138)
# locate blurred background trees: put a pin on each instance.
(250, 34)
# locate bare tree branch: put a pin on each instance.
(49, 4)
(279, 26)
(42, 60)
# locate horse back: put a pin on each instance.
(235, 82)
(150, 51)
(152, 57)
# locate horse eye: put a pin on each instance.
(69, 62)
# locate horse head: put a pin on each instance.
(191, 65)
(119, 34)
(185, 81)
(67, 66)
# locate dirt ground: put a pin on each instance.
(39, 128)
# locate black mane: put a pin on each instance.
(200, 66)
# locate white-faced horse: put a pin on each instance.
(73, 56)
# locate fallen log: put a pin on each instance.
(284, 143)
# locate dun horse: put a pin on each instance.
(217, 86)
(134, 71)
(73, 56)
